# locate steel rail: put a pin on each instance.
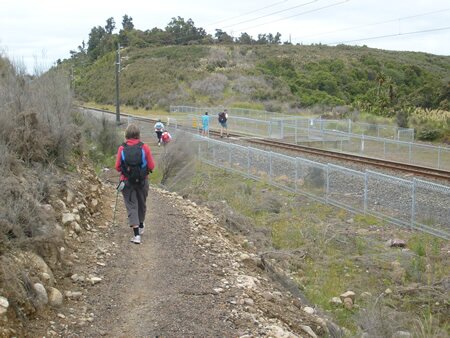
(404, 167)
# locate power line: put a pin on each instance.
(270, 14)
(245, 14)
(390, 35)
(298, 14)
(377, 23)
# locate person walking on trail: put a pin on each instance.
(135, 161)
(159, 129)
(223, 117)
(205, 124)
(165, 137)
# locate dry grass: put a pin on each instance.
(176, 157)
(39, 136)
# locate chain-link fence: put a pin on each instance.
(213, 111)
(314, 132)
(411, 203)
(288, 121)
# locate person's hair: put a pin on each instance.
(132, 131)
(206, 113)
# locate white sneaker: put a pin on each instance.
(136, 239)
(141, 231)
(159, 143)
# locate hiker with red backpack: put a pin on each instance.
(166, 137)
(134, 161)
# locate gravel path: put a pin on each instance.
(163, 287)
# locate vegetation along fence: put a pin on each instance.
(301, 131)
(412, 203)
(282, 120)
(213, 111)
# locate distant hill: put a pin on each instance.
(273, 77)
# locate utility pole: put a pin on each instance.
(117, 84)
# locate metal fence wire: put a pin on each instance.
(377, 141)
(290, 121)
(415, 203)
(412, 203)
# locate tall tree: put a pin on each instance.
(127, 23)
(277, 39)
(110, 25)
(184, 31)
(95, 39)
(223, 37)
(262, 39)
(245, 39)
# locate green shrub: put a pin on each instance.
(428, 134)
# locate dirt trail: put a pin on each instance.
(191, 276)
(162, 287)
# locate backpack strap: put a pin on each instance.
(124, 145)
(144, 160)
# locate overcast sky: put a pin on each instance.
(40, 32)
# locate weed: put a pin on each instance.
(360, 245)
(428, 327)
(366, 220)
(176, 157)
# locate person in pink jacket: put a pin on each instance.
(135, 161)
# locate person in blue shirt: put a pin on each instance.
(159, 128)
(205, 124)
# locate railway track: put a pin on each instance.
(402, 167)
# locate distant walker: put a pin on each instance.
(223, 118)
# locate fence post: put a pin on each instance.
(439, 158)
(413, 206)
(327, 191)
(366, 184)
(409, 152)
(270, 166)
(296, 133)
(248, 160)
(309, 123)
(362, 144)
(384, 148)
(296, 175)
(229, 155)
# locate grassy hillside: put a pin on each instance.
(273, 77)
(299, 76)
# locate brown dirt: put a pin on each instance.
(161, 287)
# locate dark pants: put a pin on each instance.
(135, 198)
(158, 134)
